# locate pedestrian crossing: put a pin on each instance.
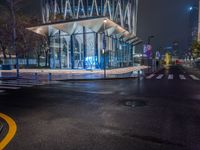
(194, 77)
(182, 77)
(172, 77)
(18, 84)
(160, 76)
(150, 76)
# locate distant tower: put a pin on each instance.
(193, 23)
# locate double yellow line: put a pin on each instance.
(11, 131)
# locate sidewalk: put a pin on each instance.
(48, 74)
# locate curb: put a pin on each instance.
(100, 79)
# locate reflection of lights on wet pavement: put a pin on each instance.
(196, 97)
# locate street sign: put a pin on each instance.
(148, 50)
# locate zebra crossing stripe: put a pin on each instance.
(150, 76)
(23, 83)
(16, 85)
(194, 77)
(171, 77)
(160, 76)
(182, 77)
(9, 88)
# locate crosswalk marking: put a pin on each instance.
(9, 88)
(160, 76)
(23, 83)
(150, 76)
(171, 77)
(16, 85)
(194, 77)
(182, 77)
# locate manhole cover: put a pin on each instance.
(135, 103)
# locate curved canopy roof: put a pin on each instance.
(98, 25)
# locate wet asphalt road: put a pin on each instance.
(145, 114)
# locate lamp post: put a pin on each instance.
(104, 46)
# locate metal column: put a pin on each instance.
(84, 48)
(60, 55)
(72, 51)
(96, 51)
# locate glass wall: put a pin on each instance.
(85, 49)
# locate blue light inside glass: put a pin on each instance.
(90, 61)
(191, 8)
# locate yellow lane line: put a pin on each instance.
(11, 131)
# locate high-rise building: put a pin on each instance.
(193, 23)
(84, 34)
(199, 22)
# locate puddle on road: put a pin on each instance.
(134, 103)
(156, 140)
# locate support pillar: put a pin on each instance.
(84, 48)
(96, 51)
(72, 51)
(60, 53)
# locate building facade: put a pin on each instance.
(89, 34)
(193, 23)
(198, 22)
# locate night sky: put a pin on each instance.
(167, 20)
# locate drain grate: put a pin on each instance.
(135, 103)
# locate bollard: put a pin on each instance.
(50, 77)
(35, 76)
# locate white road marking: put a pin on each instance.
(160, 76)
(2, 91)
(9, 88)
(150, 76)
(182, 77)
(194, 77)
(171, 77)
(100, 92)
(23, 83)
(16, 85)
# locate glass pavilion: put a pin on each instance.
(91, 34)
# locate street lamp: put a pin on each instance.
(191, 8)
